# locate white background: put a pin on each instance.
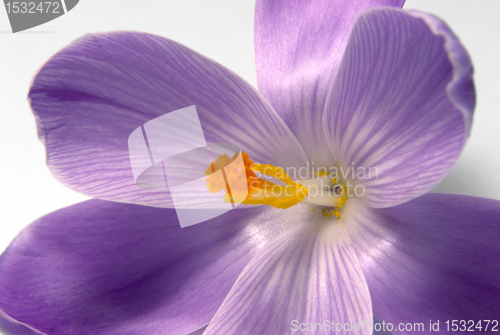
(223, 31)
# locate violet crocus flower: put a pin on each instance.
(343, 84)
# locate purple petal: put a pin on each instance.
(310, 274)
(433, 258)
(401, 105)
(298, 46)
(101, 267)
(94, 93)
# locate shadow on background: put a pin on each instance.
(466, 179)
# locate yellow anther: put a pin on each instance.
(260, 191)
(343, 196)
(273, 171)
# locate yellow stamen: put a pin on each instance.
(260, 191)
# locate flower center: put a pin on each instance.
(260, 191)
(323, 190)
(328, 191)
